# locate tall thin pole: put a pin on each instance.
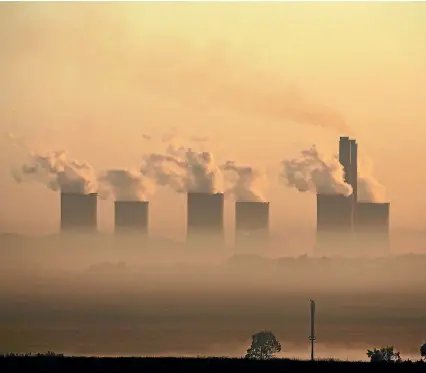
(312, 336)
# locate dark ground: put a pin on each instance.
(194, 365)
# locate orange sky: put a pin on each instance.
(92, 78)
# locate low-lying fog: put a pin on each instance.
(102, 296)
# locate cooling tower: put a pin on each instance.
(205, 217)
(334, 224)
(79, 212)
(372, 228)
(251, 225)
(131, 216)
(334, 212)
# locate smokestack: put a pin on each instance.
(372, 228)
(205, 215)
(131, 216)
(354, 170)
(251, 223)
(334, 223)
(79, 212)
(348, 157)
(345, 157)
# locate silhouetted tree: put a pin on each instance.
(384, 354)
(263, 346)
(423, 351)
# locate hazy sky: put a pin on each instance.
(93, 78)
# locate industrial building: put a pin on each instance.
(251, 226)
(131, 216)
(205, 218)
(79, 212)
(343, 223)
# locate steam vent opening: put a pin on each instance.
(205, 220)
(251, 226)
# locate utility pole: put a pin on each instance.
(312, 336)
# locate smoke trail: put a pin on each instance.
(184, 170)
(246, 182)
(58, 172)
(316, 173)
(369, 188)
(125, 185)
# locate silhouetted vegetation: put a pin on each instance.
(423, 351)
(263, 346)
(54, 363)
(384, 354)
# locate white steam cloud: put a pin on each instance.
(247, 184)
(316, 173)
(184, 170)
(125, 185)
(58, 172)
(369, 188)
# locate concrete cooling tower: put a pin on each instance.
(372, 228)
(79, 212)
(334, 224)
(251, 226)
(131, 216)
(205, 219)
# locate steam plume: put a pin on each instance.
(58, 172)
(125, 185)
(246, 182)
(369, 189)
(316, 173)
(184, 170)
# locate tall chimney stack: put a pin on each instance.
(354, 169)
(345, 157)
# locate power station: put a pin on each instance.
(251, 225)
(345, 225)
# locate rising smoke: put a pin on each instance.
(107, 43)
(184, 170)
(125, 185)
(58, 172)
(316, 173)
(247, 183)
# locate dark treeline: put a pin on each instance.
(48, 363)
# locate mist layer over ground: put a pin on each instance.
(94, 296)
